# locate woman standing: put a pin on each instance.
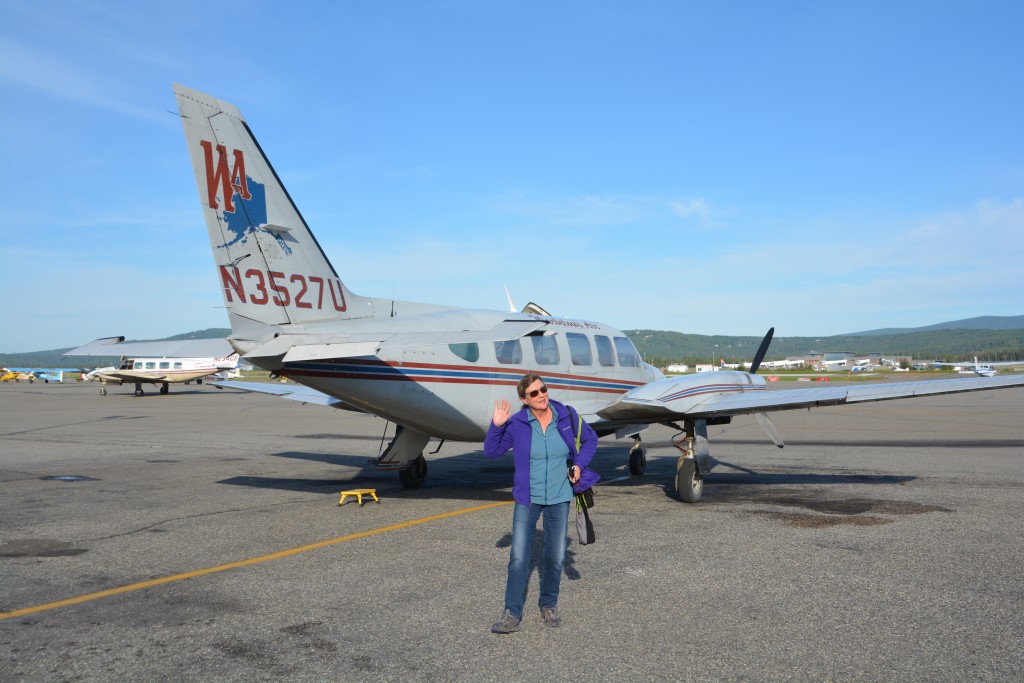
(542, 436)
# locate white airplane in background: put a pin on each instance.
(983, 369)
(436, 371)
(775, 364)
(159, 363)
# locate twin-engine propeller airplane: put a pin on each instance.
(160, 363)
(436, 371)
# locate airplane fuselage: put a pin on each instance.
(448, 390)
(158, 370)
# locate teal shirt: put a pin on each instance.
(549, 482)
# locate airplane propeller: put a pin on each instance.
(761, 351)
(762, 418)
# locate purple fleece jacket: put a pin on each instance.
(517, 435)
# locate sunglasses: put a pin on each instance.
(537, 392)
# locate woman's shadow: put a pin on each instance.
(537, 549)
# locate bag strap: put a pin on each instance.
(579, 432)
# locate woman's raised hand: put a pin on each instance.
(501, 412)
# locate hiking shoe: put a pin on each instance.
(507, 624)
(550, 616)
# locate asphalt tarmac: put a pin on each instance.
(205, 542)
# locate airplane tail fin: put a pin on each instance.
(270, 267)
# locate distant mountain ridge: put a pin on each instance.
(984, 322)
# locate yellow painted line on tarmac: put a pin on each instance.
(242, 563)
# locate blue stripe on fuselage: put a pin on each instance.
(383, 371)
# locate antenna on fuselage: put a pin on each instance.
(511, 306)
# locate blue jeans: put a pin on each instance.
(524, 524)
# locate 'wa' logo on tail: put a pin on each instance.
(230, 183)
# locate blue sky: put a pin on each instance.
(704, 167)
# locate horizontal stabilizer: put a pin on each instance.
(294, 392)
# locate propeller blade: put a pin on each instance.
(761, 351)
(769, 427)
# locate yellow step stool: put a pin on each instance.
(359, 493)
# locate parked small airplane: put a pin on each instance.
(46, 375)
(159, 363)
(14, 375)
(985, 370)
(976, 368)
(436, 371)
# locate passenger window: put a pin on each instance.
(165, 365)
(605, 356)
(628, 356)
(545, 350)
(469, 352)
(139, 365)
(579, 349)
(509, 352)
(177, 365)
(150, 365)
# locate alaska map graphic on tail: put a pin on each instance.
(245, 204)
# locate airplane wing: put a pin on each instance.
(183, 348)
(294, 392)
(674, 398)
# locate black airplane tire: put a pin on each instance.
(139, 392)
(689, 483)
(413, 476)
(637, 461)
(103, 391)
(164, 389)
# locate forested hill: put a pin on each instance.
(985, 322)
(660, 347)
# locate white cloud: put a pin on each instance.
(692, 208)
(581, 210)
(37, 70)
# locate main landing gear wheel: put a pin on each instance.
(689, 483)
(103, 391)
(413, 476)
(637, 461)
(164, 389)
